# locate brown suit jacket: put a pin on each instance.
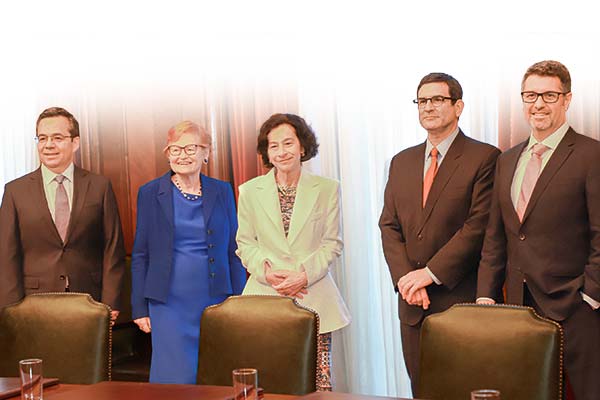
(447, 234)
(33, 257)
(556, 249)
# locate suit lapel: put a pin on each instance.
(306, 197)
(209, 197)
(165, 198)
(268, 199)
(560, 155)
(415, 183)
(505, 185)
(449, 164)
(81, 184)
(37, 192)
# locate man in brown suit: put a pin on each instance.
(543, 238)
(59, 225)
(435, 213)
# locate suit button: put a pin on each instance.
(212, 274)
(420, 237)
(209, 231)
(419, 264)
(211, 260)
(210, 246)
(62, 277)
(521, 236)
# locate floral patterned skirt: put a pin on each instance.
(324, 363)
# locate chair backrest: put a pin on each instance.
(273, 334)
(504, 347)
(70, 332)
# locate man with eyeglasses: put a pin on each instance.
(543, 238)
(435, 213)
(59, 225)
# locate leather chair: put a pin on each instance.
(70, 332)
(273, 334)
(503, 347)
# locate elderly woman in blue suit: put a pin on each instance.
(183, 257)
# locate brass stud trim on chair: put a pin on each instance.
(318, 366)
(558, 325)
(295, 301)
(110, 340)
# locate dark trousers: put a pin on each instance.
(581, 348)
(411, 341)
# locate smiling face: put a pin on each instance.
(545, 118)
(185, 164)
(54, 154)
(443, 120)
(284, 149)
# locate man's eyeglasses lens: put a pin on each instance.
(436, 101)
(547, 97)
(190, 149)
(58, 139)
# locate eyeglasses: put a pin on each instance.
(189, 149)
(56, 139)
(436, 101)
(548, 97)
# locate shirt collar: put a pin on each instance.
(48, 176)
(552, 140)
(443, 146)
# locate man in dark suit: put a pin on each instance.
(435, 213)
(59, 225)
(543, 238)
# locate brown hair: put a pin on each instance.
(304, 133)
(550, 68)
(454, 87)
(59, 112)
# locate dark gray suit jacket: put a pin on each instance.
(447, 234)
(33, 257)
(556, 249)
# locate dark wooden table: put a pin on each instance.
(152, 391)
(344, 396)
(146, 391)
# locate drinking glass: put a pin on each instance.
(31, 379)
(245, 384)
(485, 394)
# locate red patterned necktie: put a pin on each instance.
(430, 174)
(532, 172)
(61, 208)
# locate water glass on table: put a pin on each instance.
(245, 384)
(485, 394)
(31, 379)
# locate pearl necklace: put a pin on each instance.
(191, 197)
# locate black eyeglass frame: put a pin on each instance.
(436, 101)
(538, 95)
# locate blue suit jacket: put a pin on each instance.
(152, 255)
